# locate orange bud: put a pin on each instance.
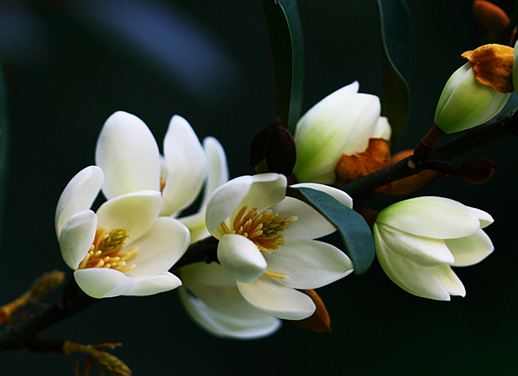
(352, 167)
(493, 66)
(410, 184)
(492, 20)
(476, 170)
(319, 321)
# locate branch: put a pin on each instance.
(466, 141)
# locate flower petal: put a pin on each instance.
(449, 279)
(471, 249)
(103, 283)
(309, 264)
(259, 191)
(484, 218)
(128, 154)
(155, 284)
(186, 164)
(277, 300)
(406, 274)
(218, 168)
(77, 237)
(78, 195)
(241, 258)
(383, 129)
(133, 211)
(233, 319)
(433, 217)
(310, 223)
(428, 252)
(159, 248)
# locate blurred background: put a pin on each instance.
(70, 64)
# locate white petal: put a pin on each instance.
(241, 258)
(155, 284)
(277, 300)
(449, 279)
(205, 275)
(135, 212)
(433, 217)
(128, 154)
(484, 218)
(77, 237)
(218, 168)
(78, 195)
(383, 129)
(159, 248)
(196, 225)
(234, 319)
(186, 165)
(309, 264)
(471, 249)
(428, 252)
(258, 191)
(310, 223)
(103, 283)
(409, 276)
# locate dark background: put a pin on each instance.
(67, 68)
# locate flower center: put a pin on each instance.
(106, 251)
(264, 228)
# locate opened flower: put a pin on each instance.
(128, 154)
(266, 246)
(418, 240)
(123, 249)
(344, 123)
(213, 301)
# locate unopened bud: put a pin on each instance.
(478, 90)
(272, 149)
(475, 170)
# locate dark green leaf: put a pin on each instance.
(4, 135)
(395, 32)
(286, 43)
(355, 232)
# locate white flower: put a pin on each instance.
(217, 175)
(265, 243)
(128, 154)
(124, 248)
(341, 123)
(214, 302)
(417, 240)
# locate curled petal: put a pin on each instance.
(241, 258)
(186, 164)
(233, 319)
(471, 249)
(159, 248)
(408, 275)
(135, 212)
(428, 252)
(155, 284)
(277, 300)
(77, 237)
(128, 154)
(103, 283)
(484, 218)
(433, 217)
(78, 195)
(309, 264)
(449, 279)
(218, 168)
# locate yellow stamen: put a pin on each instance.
(106, 251)
(275, 275)
(264, 228)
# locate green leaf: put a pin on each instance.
(287, 48)
(4, 137)
(395, 33)
(355, 232)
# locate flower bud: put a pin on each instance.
(341, 124)
(492, 20)
(478, 90)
